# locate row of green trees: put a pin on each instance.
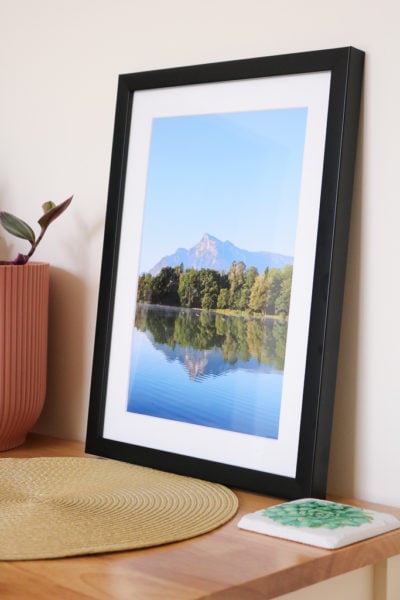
(242, 289)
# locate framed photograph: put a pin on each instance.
(223, 269)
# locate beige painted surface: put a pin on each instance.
(356, 585)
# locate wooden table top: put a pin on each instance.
(227, 563)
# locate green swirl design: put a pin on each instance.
(315, 513)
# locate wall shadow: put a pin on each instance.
(67, 368)
(342, 463)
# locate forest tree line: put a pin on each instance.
(242, 289)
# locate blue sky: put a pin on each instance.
(235, 176)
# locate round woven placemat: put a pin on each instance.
(57, 507)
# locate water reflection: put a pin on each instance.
(208, 343)
(208, 369)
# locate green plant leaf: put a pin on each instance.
(17, 227)
(52, 212)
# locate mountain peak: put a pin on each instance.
(207, 236)
(211, 253)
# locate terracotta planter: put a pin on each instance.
(24, 300)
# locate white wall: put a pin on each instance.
(59, 62)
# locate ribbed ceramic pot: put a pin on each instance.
(24, 302)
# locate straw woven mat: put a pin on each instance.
(57, 507)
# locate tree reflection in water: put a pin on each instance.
(239, 338)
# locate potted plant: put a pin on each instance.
(24, 297)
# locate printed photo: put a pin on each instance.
(215, 269)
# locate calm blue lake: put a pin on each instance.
(208, 369)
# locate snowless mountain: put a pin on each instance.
(211, 253)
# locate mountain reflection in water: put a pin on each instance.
(208, 369)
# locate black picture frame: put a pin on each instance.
(343, 68)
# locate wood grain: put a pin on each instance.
(227, 563)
